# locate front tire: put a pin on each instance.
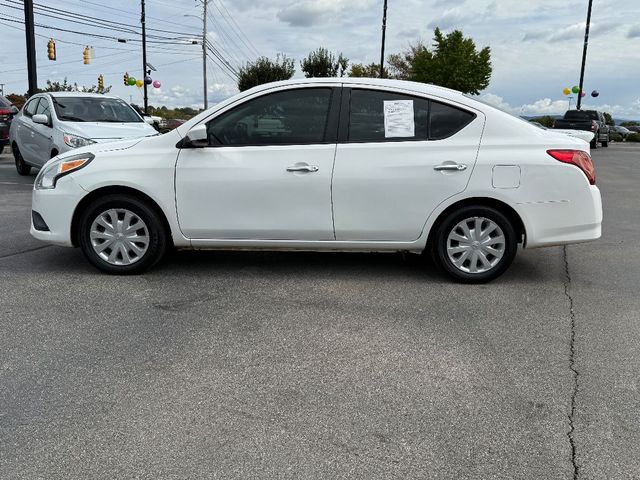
(122, 235)
(475, 244)
(21, 166)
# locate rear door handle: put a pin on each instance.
(455, 167)
(302, 168)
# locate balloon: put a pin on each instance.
(583, 94)
(595, 93)
(139, 83)
(132, 81)
(156, 84)
(148, 80)
(566, 91)
(575, 89)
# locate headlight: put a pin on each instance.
(75, 141)
(57, 168)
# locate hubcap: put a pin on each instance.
(475, 245)
(119, 236)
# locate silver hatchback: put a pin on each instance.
(56, 122)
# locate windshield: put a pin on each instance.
(94, 109)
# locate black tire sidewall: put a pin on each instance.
(157, 233)
(21, 165)
(439, 248)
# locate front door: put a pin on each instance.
(42, 137)
(266, 174)
(402, 156)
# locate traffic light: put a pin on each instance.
(100, 83)
(86, 56)
(125, 78)
(51, 49)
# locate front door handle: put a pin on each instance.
(302, 168)
(450, 167)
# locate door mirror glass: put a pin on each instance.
(41, 119)
(197, 136)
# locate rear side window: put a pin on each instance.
(367, 121)
(445, 120)
(30, 107)
(377, 116)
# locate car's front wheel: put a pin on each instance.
(21, 165)
(121, 234)
(475, 244)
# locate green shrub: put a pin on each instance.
(634, 137)
(615, 137)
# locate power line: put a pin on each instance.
(255, 50)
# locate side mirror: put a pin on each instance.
(14, 110)
(198, 137)
(41, 119)
(149, 120)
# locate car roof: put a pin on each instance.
(79, 94)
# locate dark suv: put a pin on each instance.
(7, 111)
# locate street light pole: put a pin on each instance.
(144, 59)
(204, 54)
(31, 47)
(384, 31)
(584, 53)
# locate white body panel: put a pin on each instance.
(376, 197)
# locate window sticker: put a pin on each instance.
(399, 119)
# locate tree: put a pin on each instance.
(370, 71)
(545, 121)
(65, 86)
(608, 119)
(265, 70)
(17, 100)
(323, 63)
(623, 124)
(453, 62)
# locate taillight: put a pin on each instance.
(594, 125)
(580, 159)
(5, 114)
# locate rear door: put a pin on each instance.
(25, 132)
(398, 158)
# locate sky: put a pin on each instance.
(536, 45)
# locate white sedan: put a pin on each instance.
(327, 164)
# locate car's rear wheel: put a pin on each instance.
(605, 144)
(475, 244)
(594, 144)
(21, 165)
(121, 234)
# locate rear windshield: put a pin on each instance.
(4, 102)
(581, 115)
(94, 109)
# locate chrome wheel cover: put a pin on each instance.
(475, 245)
(119, 237)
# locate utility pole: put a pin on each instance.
(584, 53)
(1, 88)
(384, 31)
(144, 58)
(29, 31)
(204, 54)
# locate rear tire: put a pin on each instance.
(122, 235)
(21, 166)
(605, 144)
(594, 144)
(474, 244)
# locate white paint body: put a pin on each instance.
(365, 196)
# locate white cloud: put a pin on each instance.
(305, 13)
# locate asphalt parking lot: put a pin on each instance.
(299, 365)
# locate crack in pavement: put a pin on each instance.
(29, 250)
(572, 363)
